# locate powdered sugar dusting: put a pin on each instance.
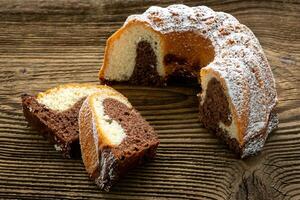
(239, 58)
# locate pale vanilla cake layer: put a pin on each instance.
(111, 131)
(65, 96)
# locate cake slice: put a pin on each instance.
(114, 138)
(54, 113)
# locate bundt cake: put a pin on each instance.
(55, 114)
(114, 138)
(238, 93)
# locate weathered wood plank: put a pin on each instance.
(45, 43)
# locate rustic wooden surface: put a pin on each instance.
(45, 43)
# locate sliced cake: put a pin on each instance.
(114, 138)
(54, 113)
(213, 48)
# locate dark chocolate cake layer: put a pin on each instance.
(182, 71)
(139, 133)
(215, 107)
(145, 72)
(60, 128)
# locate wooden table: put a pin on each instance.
(46, 43)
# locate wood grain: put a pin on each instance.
(45, 43)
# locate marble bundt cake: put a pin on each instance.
(196, 43)
(54, 113)
(113, 138)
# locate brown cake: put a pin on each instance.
(238, 94)
(54, 114)
(113, 138)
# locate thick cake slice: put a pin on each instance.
(54, 113)
(114, 138)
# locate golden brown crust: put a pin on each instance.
(88, 145)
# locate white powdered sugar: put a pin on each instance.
(239, 59)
